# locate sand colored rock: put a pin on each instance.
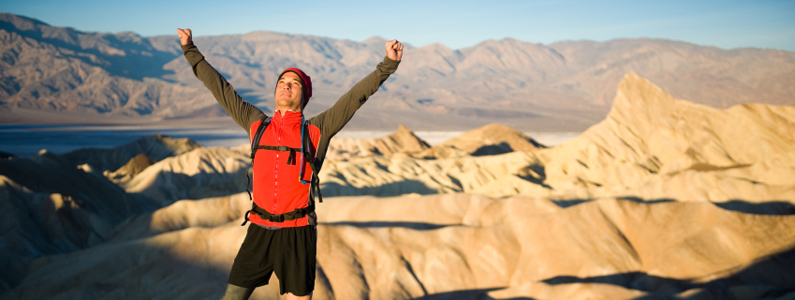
(491, 139)
(496, 176)
(401, 141)
(183, 214)
(492, 160)
(200, 173)
(48, 206)
(381, 248)
(662, 199)
(156, 147)
(136, 165)
(653, 146)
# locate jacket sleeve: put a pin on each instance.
(332, 120)
(242, 112)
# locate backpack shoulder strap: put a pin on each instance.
(308, 151)
(258, 135)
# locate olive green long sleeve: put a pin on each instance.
(329, 122)
(242, 112)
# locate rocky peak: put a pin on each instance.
(403, 140)
(492, 139)
(156, 147)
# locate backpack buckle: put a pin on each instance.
(276, 218)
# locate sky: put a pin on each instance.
(456, 24)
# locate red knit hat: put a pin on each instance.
(306, 82)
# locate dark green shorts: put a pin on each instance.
(289, 252)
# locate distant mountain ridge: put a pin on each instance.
(48, 72)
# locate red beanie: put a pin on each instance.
(306, 82)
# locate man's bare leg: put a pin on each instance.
(234, 292)
(290, 296)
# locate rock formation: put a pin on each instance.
(651, 146)
(136, 165)
(401, 141)
(491, 139)
(200, 173)
(454, 246)
(155, 147)
(663, 199)
(49, 207)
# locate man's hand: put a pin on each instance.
(394, 50)
(185, 36)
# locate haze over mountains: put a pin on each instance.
(60, 75)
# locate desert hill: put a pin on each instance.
(156, 148)
(491, 139)
(401, 141)
(664, 198)
(55, 204)
(202, 172)
(60, 75)
(49, 207)
(133, 167)
(457, 247)
(650, 146)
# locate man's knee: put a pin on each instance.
(290, 296)
(234, 292)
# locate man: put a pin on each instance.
(282, 236)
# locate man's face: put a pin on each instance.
(288, 92)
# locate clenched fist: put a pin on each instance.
(394, 50)
(185, 35)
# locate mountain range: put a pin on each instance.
(61, 75)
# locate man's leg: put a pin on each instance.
(251, 267)
(290, 296)
(296, 263)
(234, 292)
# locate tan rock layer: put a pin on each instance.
(409, 247)
(651, 146)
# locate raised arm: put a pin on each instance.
(242, 112)
(332, 120)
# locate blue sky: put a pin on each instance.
(455, 24)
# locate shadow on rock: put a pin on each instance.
(383, 224)
(772, 207)
(769, 278)
(474, 294)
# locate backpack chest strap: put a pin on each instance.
(290, 159)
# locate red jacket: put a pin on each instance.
(276, 187)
